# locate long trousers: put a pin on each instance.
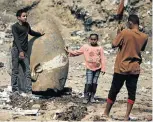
(92, 76)
(15, 71)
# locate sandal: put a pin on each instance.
(132, 119)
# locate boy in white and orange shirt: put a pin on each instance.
(95, 63)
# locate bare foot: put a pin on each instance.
(106, 117)
(126, 119)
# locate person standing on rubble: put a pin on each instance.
(20, 31)
(130, 42)
(95, 63)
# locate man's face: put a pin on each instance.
(23, 17)
(93, 40)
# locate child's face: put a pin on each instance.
(93, 40)
(23, 17)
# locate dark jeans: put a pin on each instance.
(117, 83)
(15, 71)
(92, 76)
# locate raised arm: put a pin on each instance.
(144, 46)
(103, 61)
(118, 40)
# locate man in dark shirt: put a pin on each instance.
(20, 31)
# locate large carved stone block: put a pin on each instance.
(48, 59)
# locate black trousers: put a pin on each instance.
(117, 83)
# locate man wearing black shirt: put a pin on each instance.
(20, 31)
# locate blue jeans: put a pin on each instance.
(92, 76)
(15, 71)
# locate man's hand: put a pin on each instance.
(21, 55)
(102, 72)
(120, 28)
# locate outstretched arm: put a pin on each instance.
(34, 33)
(75, 52)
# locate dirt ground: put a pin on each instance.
(68, 106)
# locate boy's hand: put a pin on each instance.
(102, 72)
(41, 31)
(21, 55)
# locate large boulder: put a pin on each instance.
(48, 59)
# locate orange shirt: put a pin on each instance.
(94, 56)
(130, 43)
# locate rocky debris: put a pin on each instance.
(2, 35)
(73, 109)
(75, 113)
(2, 26)
(103, 16)
(149, 12)
(134, 2)
(149, 118)
(107, 46)
(88, 20)
(1, 64)
(14, 5)
(4, 98)
(36, 106)
(6, 33)
(78, 33)
(17, 100)
(73, 17)
(115, 1)
(33, 112)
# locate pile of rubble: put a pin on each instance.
(17, 104)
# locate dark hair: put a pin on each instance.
(19, 12)
(134, 19)
(94, 34)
